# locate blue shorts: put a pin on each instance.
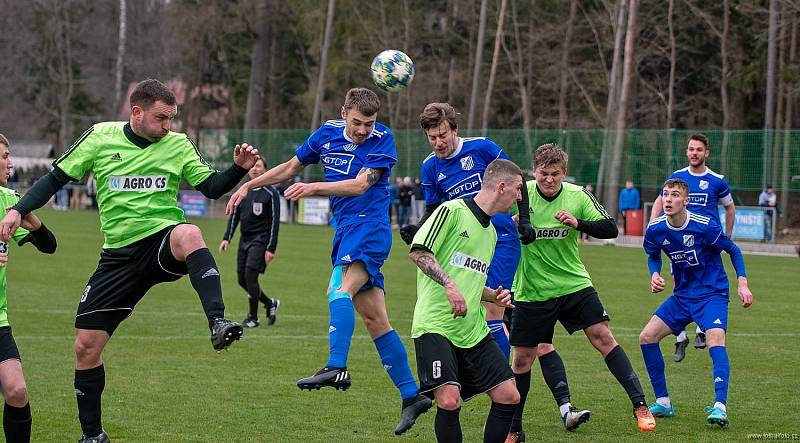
(708, 312)
(368, 243)
(504, 264)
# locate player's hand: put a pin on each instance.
(456, 299)
(656, 283)
(408, 232)
(502, 297)
(268, 256)
(527, 234)
(3, 260)
(236, 198)
(223, 246)
(567, 219)
(298, 190)
(245, 156)
(9, 225)
(30, 222)
(744, 293)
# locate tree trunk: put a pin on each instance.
(769, 114)
(723, 84)
(476, 72)
(612, 198)
(785, 178)
(326, 44)
(254, 115)
(498, 37)
(671, 91)
(120, 58)
(565, 50)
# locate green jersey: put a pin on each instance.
(137, 181)
(8, 198)
(462, 239)
(551, 266)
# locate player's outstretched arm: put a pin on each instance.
(280, 173)
(658, 207)
(744, 293)
(499, 296)
(427, 263)
(41, 237)
(36, 197)
(355, 186)
(737, 259)
(527, 234)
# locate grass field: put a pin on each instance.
(165, 384)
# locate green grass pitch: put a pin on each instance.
(164, 382)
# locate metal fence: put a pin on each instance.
(748, 158)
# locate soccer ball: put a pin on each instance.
(392, 70)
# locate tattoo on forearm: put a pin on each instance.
(428, 264)
(373, 175)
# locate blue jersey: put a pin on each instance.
(342, 160)
(461, 175)
(706, 191)
(694, 253)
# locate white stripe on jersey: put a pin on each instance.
(384, 155)
(377, 133)
(336, 123)
(468, 139)
(657, 220)
(698, 218)
(430, 156)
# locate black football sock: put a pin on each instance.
(447, 426)
(89, 384)
(266, 300)
(253, 290)
(555, 375)
(619, 365)
(17, 423)
(523, 386)
(498, 422)
(204, 275)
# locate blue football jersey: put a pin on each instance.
(342, 160)
(461, 175)
(694, 253)
(706, 191)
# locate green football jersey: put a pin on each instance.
(137, 181)
(8, 198)
(464, 248)
(551, 266)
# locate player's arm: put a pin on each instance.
(277, 174)
(233, 221)
(592, 219)
(527, 234)
(38, 234)
(408, 232)
(499, 296)
(275, 220)
(39, 194)
(730, 218)
(654, 265)
(657, 209)
(220, 182)
(346, 188)
(427, 263)
(737, 259)
(602, 229)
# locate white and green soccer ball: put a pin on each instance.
(392, 70)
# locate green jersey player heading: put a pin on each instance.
(138, 166)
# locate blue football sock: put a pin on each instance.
(499, 334)
(395, 361)
(654, 362)
(342, 324)
(721, 371)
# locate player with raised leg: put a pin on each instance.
(694, 244)
(138, 166)
(357, 153)
(457, 356)
(552, 285)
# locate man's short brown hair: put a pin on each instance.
(435, 114)
(150, 91)
(549, 155)
(363, 100)
(699, 137)
(500, 170)
(677, 183)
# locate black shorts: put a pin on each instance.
(475, 370)
(8, 347)
(123, 277)
(534, 322)
(251, 255)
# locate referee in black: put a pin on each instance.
(260, 217)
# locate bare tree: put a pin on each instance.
(790, 97)
(120, 56)
(516, 62)
(769, 113)
(498, 37)
(564, 66)
(476, 72)
(612, 197)
(254, 115)
(326, 44)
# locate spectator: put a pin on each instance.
(628, 200)
(404, 195)
(418, 201)
(91, 191)
(769, 199)
(394, 188)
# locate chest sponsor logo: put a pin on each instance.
(689, 257)
(258, 208)
(688, 240)
(137, 183)
(468, 186)
(467, 164)
(465, 261)
(551, 233)
(703, 185)
(698, 198)
(338, 161)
